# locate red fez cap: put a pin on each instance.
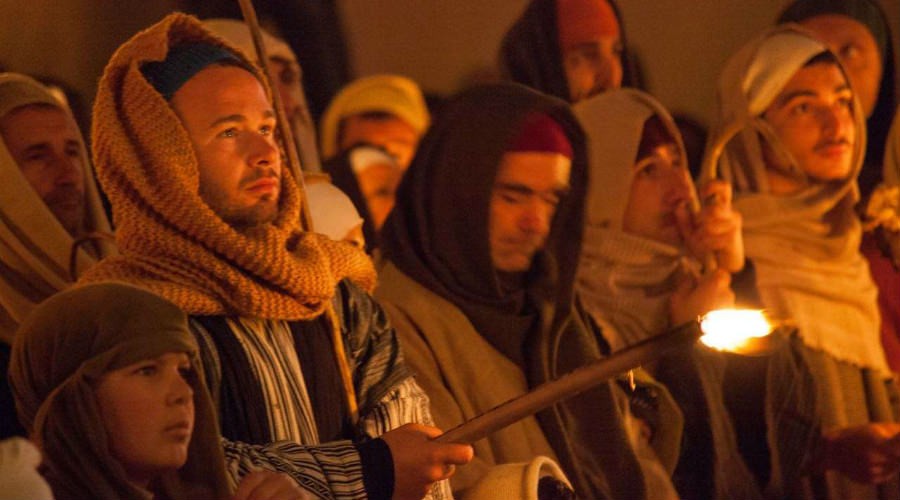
(541, 134)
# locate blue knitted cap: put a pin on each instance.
(183, 62)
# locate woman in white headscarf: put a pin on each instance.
(638, 274)
(830, 401)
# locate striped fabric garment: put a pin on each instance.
(330, 470)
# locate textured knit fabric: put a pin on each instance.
(393, 94)
(61, 353)
(34, 247)
(878, 123)
(238, 34)
(804, 249)
(171, 241)
(530, 53)
(625, 282)
(451, 308)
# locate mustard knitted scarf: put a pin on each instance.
(171, 241)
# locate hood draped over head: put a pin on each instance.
(238, 34)
(531, 52)
(438, 231)
(869, 14)
(625, 280)
(60, 355)
(804, 246)
(35, 249)
(171, 240)
(393, 94)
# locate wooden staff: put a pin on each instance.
(569, 385)
(293, 163)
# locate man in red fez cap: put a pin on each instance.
(480, 256)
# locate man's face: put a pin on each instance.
(232, 128)
(855, 46)
(660, 183)
(813, 118)
(287, 82)
(527, 190)
(385, 131)
(46, 144)
(593, 67)
(147, 409)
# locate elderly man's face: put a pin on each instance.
(46, 144)
(231, 125)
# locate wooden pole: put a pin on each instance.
(293, 163)
(569, 385)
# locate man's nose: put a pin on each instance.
(264, 151)
(535, 216)
(67, 170)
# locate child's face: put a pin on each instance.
(148, 412)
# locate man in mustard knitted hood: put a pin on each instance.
(186, 147)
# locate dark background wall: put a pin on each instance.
(443, 44)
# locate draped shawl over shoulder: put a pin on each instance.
(34, 246)
(59, 356)
(171, 241)
(805, 246)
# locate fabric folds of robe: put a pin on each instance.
(34, 247)
(60, 354)
(170, 240)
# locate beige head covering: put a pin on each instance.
(62, 351)
(34, 247)
(171, 240)
(516, 480)
(392, 94)
(805, 246)
(624, 280)
(238, 34)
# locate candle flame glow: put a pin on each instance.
(731, 329)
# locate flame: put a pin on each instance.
(732, 329)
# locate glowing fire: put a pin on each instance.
(732, 329)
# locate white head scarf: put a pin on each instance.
(804, 246)
(624, 280)
(34, 247)
(333, 214)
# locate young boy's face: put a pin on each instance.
(148, 413)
